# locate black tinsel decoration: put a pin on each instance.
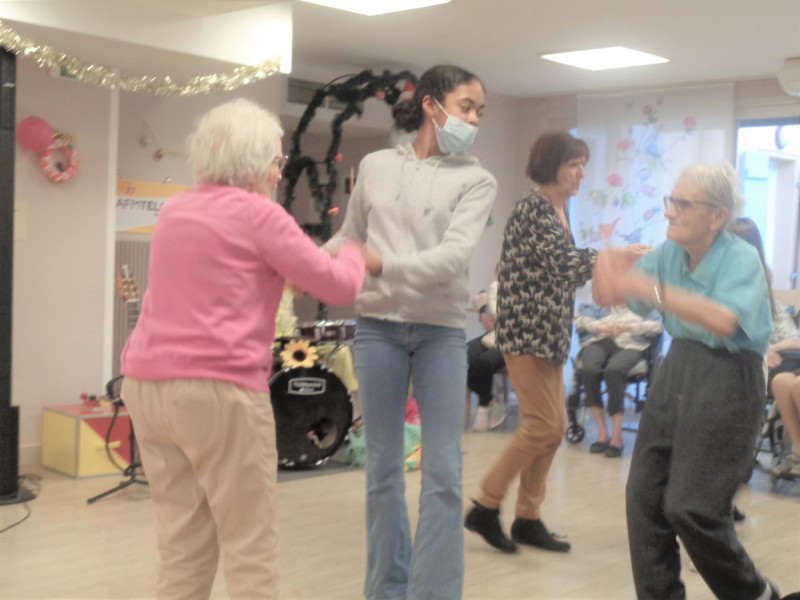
(353, 92)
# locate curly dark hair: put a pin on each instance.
(436, 82)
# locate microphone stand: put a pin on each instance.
(132, 470)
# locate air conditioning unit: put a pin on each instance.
(301, 91)
(789, 76)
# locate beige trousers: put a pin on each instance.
(539, 386)
(209, 454)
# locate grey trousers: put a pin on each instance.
(603, 359)
(692, 452)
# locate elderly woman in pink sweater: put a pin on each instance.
(197, 365)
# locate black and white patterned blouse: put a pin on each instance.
(540, 267)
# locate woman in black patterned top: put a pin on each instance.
(540, 268)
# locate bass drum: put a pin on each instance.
(313, 414)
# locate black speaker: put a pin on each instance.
(9, 452)
(9, 415)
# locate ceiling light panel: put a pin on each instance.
(617, 57)
(376, 7)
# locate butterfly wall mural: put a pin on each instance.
(639, 144)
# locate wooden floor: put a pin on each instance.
(70, 549)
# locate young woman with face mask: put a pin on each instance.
(420, 209)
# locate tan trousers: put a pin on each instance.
(208, 451)
(539, 386)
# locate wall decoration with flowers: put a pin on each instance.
(639, 145)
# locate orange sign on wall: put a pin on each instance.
(139, 202)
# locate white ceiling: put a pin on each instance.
(499, 40)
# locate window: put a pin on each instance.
(768, 157)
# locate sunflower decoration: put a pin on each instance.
(299, 353)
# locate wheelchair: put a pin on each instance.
(773, 438)
(640, 376)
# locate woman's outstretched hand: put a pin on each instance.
(612, 270)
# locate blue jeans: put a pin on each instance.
(387, 355)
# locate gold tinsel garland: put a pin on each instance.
(48, 58)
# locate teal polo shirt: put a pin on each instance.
(730, 274)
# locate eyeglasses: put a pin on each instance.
(282, 162)
(682, 205)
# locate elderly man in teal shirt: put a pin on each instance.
(694, 444)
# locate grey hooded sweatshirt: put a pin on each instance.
(424, 217)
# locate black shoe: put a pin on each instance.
(486, 522)
(598, 447)
(534, 533)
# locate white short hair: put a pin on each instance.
(721, 183)
(234, 144)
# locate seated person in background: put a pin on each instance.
(483, 361)
(783, 357)
(783, 360)
(613, 341)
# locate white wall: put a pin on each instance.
(60, 295)
(763, 98)
(168, 120)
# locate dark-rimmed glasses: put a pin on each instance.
(282, 162)
(681, 205)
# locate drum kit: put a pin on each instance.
(312, 406)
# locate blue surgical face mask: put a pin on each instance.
(456, 135)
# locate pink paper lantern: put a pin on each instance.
(34, 134)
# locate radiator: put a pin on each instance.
(132, 254)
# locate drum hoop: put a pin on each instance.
(327, 331)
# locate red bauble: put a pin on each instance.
(34, 134)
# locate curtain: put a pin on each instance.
(639, 143)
